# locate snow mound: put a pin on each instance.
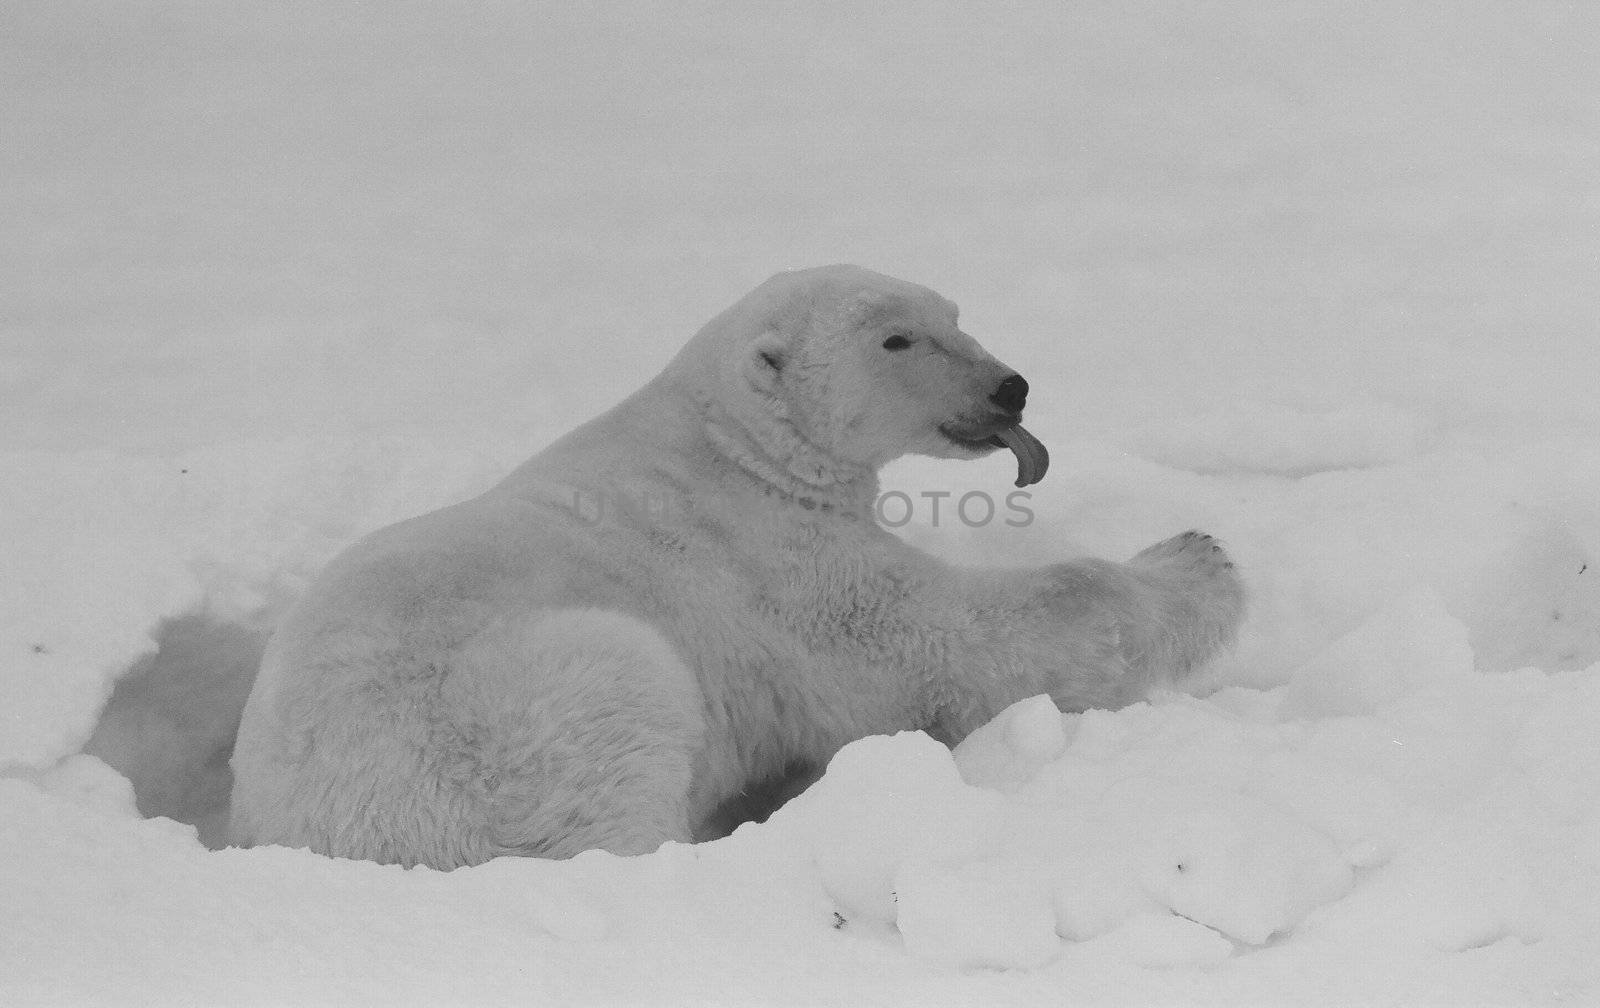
(1183, 835)
(1537, 601)
(1411, 640)
(974, 876)
(1285, 440)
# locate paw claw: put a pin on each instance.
(1198, 551)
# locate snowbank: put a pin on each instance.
(1371, 809)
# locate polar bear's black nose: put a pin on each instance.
(1012, 394)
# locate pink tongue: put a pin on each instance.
(1032, 456)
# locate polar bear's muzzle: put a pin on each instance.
(1005, 431)
(1033, 458)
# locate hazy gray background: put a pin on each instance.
(223, 219)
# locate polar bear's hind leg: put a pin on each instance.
(595, 723)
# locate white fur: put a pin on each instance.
(683, 597)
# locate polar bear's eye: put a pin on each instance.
(898, 341)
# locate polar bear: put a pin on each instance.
(690, 595)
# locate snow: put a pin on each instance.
(1317, 278)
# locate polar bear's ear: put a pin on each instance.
(768, 357)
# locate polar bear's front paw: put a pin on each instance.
(1206, 596)
(1192, 551)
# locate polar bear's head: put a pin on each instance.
(866, 368)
